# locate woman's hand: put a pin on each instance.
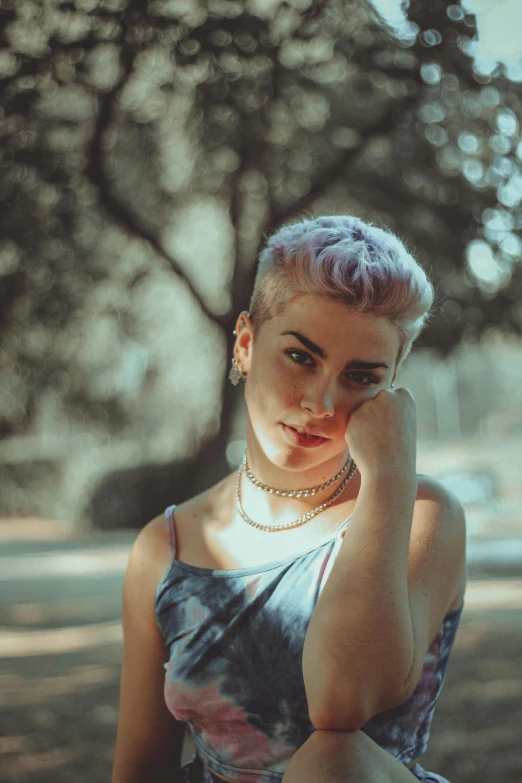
(382, 434)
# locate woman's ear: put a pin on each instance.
(244, 340)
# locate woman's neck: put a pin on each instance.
(267, 508)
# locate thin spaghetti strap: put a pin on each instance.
(342, 530)
(171, 530)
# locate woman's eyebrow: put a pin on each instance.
(357, 364)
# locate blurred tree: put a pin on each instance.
(147, 148)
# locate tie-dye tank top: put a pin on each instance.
(235, 640)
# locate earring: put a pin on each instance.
(241, 323)
(235, 374)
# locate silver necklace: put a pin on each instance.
(302, 519)
(295, 493)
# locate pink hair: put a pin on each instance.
(343, 258)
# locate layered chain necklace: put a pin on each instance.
(296, 493)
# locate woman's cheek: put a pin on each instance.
(283, 383)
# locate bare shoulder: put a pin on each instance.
(436, 502)
(429, 488)
(439, 516)
(151, 546)
(192, 516)
(148, 559)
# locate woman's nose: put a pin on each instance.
(319, 401)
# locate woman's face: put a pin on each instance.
(313, 378)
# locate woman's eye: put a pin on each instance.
(297, 356)
(363, 378)
(300, 357)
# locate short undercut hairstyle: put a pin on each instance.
(350, 261)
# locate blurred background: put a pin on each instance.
(146, 151)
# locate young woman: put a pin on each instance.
(299, 615)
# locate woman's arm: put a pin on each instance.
(359, 641)
(149, 739)
(393, 580)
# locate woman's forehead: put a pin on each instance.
(326, 315)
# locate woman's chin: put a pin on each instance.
(283, 453)
(290, 457)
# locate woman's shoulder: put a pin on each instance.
(149, 555)
(180, 526)
(438, 505)
(434, 498)
(210, 504)
(430, 488)
(152, 552)
(154, 534)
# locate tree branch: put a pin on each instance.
(115, 209)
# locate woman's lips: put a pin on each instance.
(307, 441)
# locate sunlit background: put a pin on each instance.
(146, 150)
